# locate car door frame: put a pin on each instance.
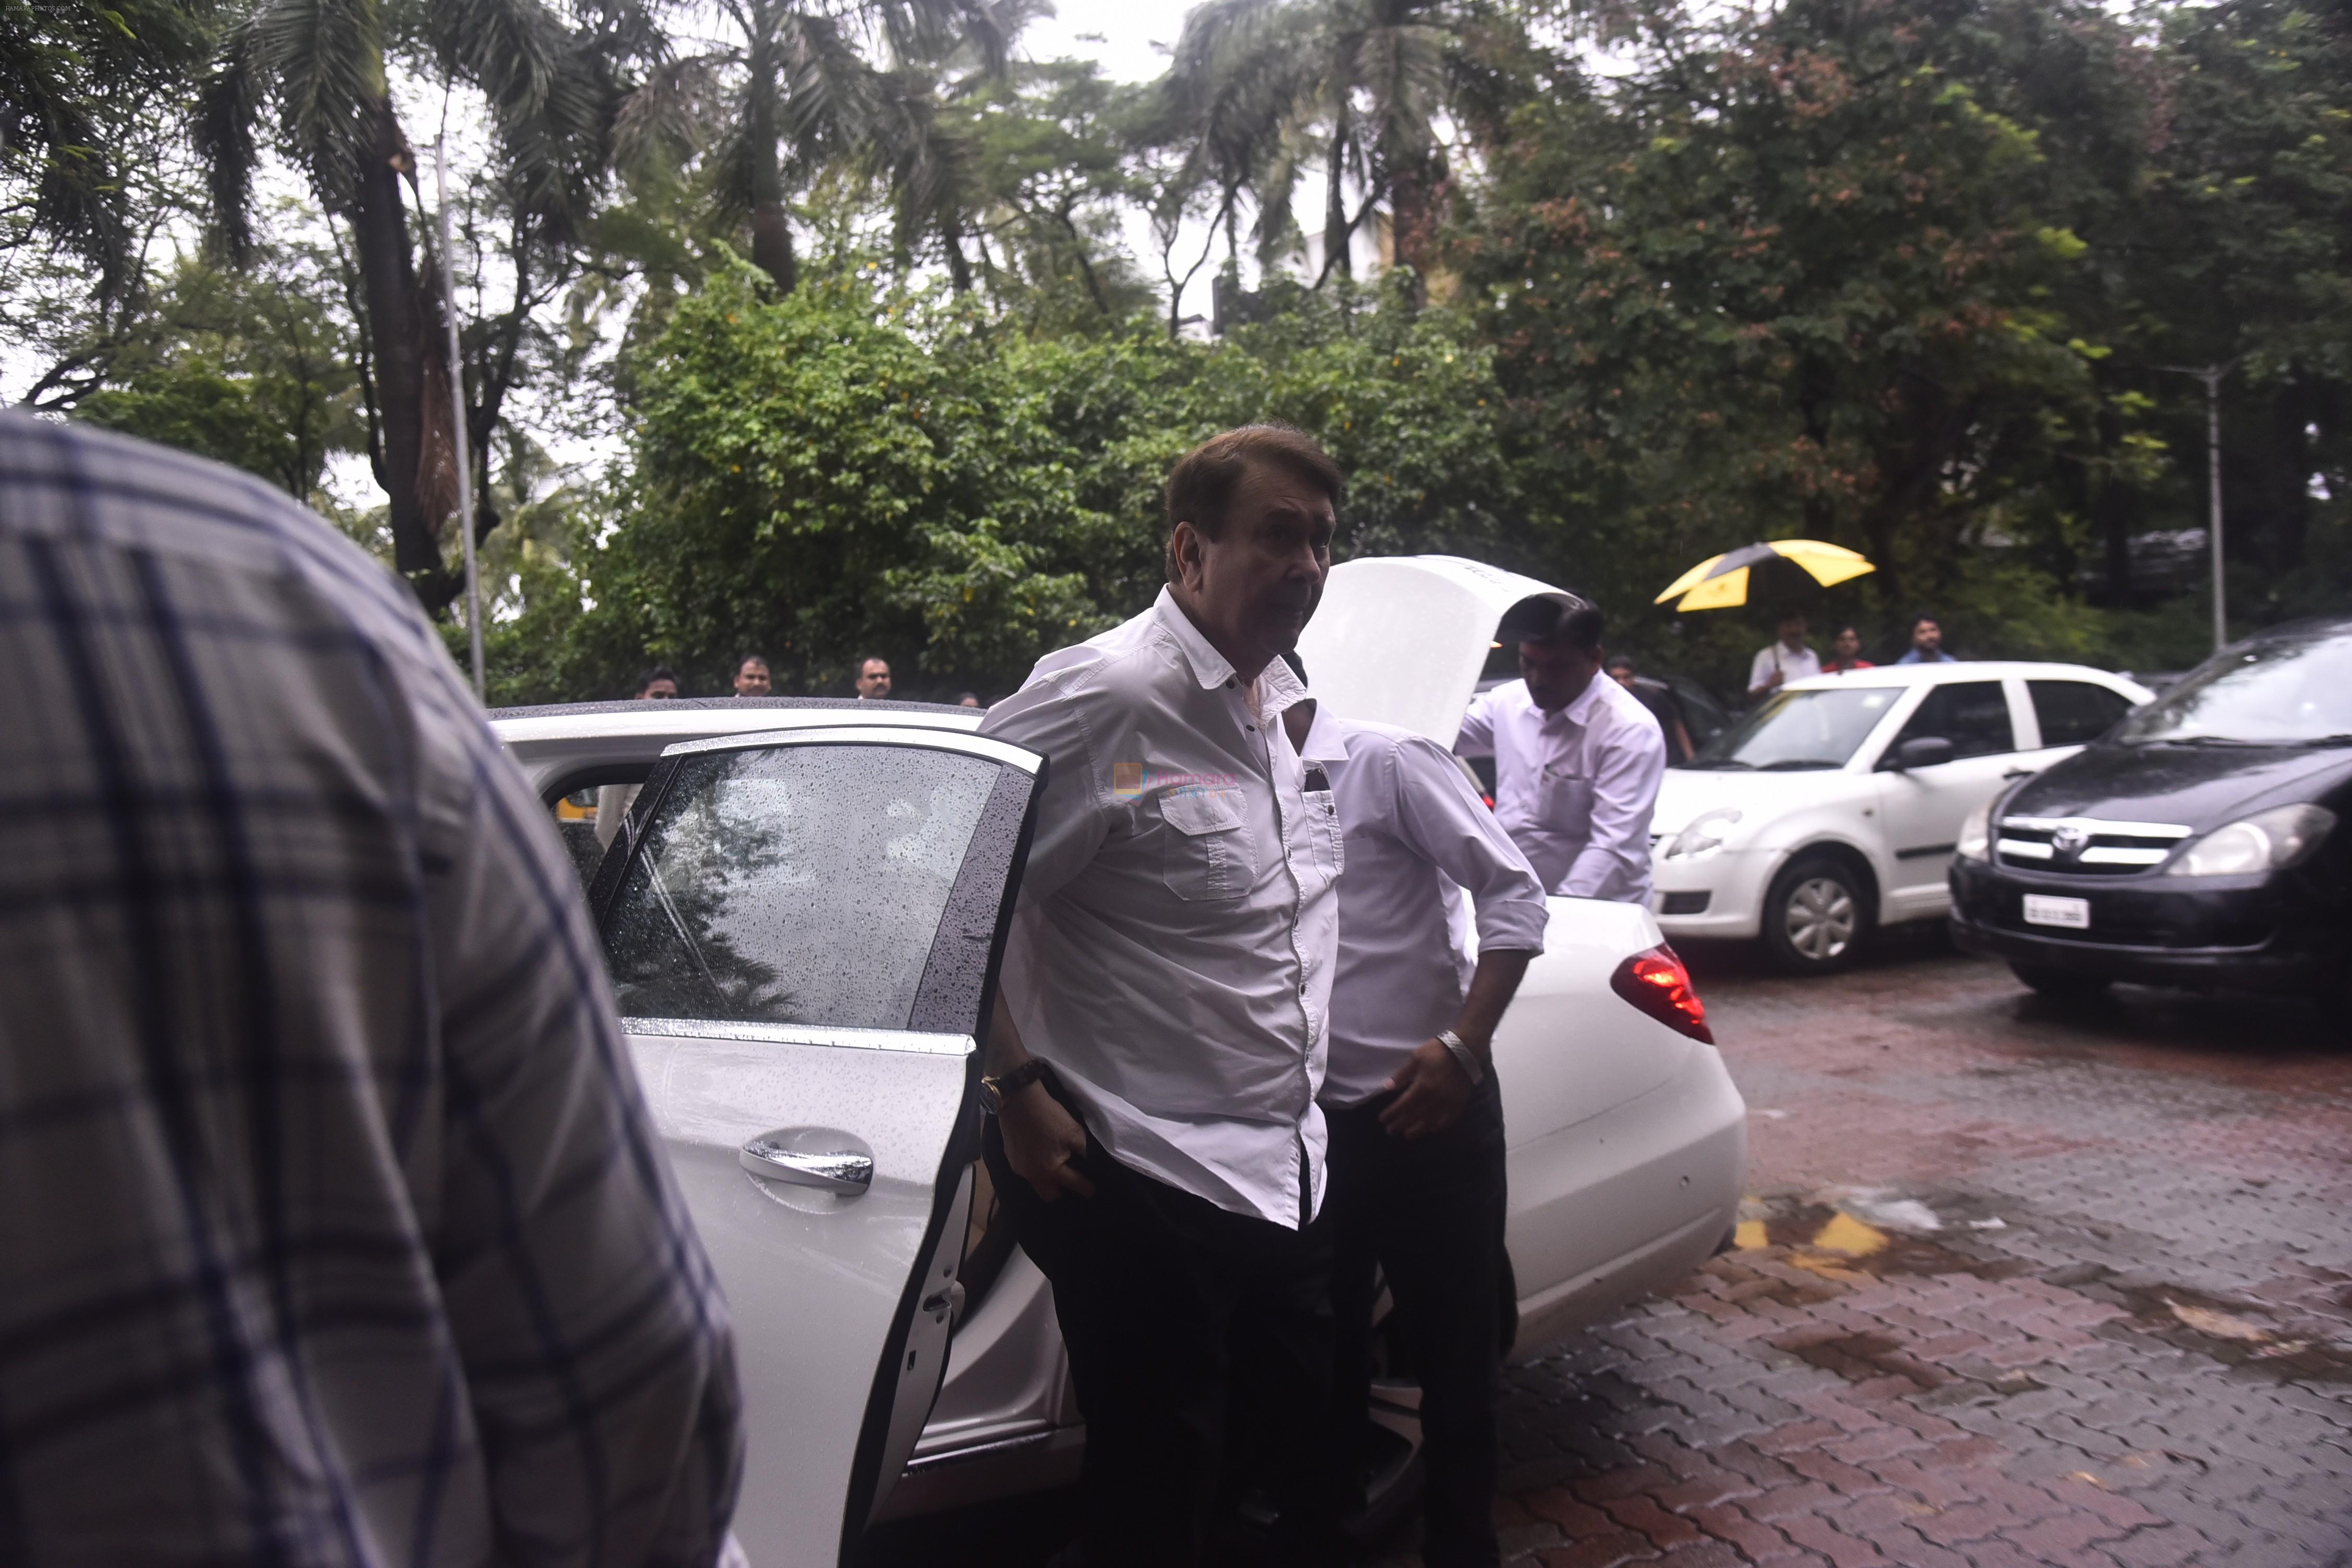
(1902, 897)
(885, 1429)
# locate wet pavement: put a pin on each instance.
(2017, 1284)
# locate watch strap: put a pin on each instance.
(995, 1091)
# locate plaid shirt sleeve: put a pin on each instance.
(333, 1229)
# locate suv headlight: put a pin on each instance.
(2269, 840)
(1976, 835)
(1704, 835)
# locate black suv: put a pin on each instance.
(2197, 843)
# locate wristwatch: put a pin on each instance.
(1458, 1051)
(995, 1091)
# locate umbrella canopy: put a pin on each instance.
(1720, 582)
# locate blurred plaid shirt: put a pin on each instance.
(331, 1227)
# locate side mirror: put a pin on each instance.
(1920, 752)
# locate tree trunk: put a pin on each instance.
(395, 319)
(1413, 221)
(772, 233)
(1335, 200)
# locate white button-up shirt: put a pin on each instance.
(1173, 951)
(1415, 835)
(1574, 788)
(1801, 664)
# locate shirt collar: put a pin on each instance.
(1325, 743)
(1580, 712)
(1277, 688)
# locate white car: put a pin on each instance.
(804, 922)
(1834, 803)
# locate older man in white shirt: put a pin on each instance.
(1578, 759)
(1160, 1041)
(1417, 1186)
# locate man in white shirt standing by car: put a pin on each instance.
(1790, 657)
(1416, 1121)
(1158, 1043)
(1578, 758)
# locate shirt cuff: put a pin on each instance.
(1513, 925)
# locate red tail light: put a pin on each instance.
(1657, 984)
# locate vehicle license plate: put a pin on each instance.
(2043, 910)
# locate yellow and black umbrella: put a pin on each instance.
(1720, 582)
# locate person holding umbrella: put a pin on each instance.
(1789, 658)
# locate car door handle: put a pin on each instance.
(837, 1170)
(2017, 774)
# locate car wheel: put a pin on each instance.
(1815, 916)
(2061, 985)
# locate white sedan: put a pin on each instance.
(803, 921)
(1834, 805)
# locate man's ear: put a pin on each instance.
(1184, 549)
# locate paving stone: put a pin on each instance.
(2049, 1393)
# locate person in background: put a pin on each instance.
(1655, 696)
(334, 1229)
(1926, 643)
(1787, 659)
(1578, 758)
(969, 700)
(872, 678)
(659, 684)
(751, 678)
(1417, 1190)
(1845, 653)
(1159, 1037)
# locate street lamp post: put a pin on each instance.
(2212, 375)
(457, 417)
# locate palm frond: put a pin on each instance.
(228, 109)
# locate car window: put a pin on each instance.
(588, 816)
(1796, 730)
(1973, 715)
(2283, 690)
(793, 884)
(2076, 712)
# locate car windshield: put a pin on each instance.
(1794, 730)
(2290, 691)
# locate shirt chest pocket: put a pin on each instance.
(1207, 847)
(1566, 802)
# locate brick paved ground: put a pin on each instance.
(2128, 1338)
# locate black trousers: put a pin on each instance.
(1428, 1215)
(1164, 1298)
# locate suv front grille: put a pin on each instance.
(2086, 846)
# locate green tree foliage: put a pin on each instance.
(846, 470)
(254, 367)
(77, 80)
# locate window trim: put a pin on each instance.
(956, 987)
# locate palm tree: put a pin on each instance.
(318, 74)
(805, 84)
(1263, 88)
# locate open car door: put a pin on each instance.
(803, 930)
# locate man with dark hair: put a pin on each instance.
(1160, 1037)
(1418, 1191)
(659, 684)
(1926, 643)
(1788, 658)
(752, 677)
(1578, 758)
(335, 1226)
(873, 677)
